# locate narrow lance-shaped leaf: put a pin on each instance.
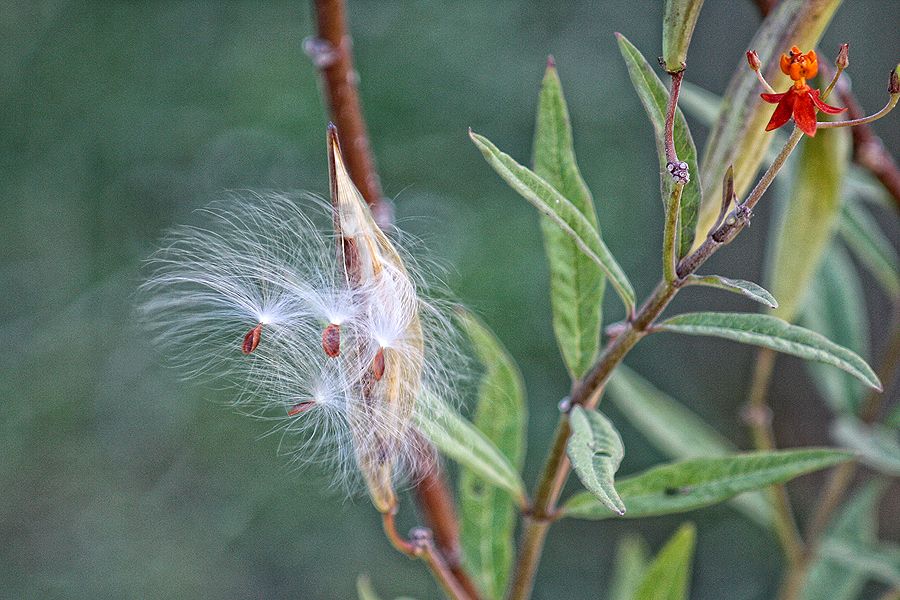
(655, 98)
(630, 565)
(835, 307)
(699, 482)
(880, 563)
(861, 233)
(576, 281)
(679, 20)
(878, 446)
(487, 513)
(461, 441)
(748, 289)
(596, 451)
(669, 575)
(774, 333)
(739, 137)
(550, 202)
(677, 431)
(804, 231)
(856, 523)
(364, 588)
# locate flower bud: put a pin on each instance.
(753, 60)
(843, 57)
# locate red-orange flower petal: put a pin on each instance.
(825, 108)
(783, 111)
(805, 113)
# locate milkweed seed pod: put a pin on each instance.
(326, 334)
(389, 387)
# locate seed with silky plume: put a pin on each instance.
(375, 270)
(251, 340)
(300, 407)
(350, 342)
(331, 340)
(378, 364)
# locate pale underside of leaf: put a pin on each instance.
(460, 440)
(596, 451)
(748, 289)
(551, 203)
(697, 483)
(771, 332)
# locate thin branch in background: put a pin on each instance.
(868, 149)
(331, 52)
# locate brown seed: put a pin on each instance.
(378, 364)
(300, 407)
(251, 340)
(331, 340)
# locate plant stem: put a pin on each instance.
(892, 102)
(422, 546)
(587, 391)
(435, 502)
(843, 474)
(759, 417)
(670, 234)
(669, 134)
(332, 54)
(868, 149)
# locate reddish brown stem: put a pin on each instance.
(438, 509)
(331, 52)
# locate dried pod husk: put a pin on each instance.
(381, 419)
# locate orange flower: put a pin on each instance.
(800, 101)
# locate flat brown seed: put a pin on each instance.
(251, 340)
(378, 364)
(331, 340)
(300, 407)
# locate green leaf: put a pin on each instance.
(596, 451)
(771, 332)
(804, 231)
(699, 103)
(487, 513)
(669, 575)
(699, 482)
(631, 562)
(576, 281)
(460, 440)
(677, 431)
(747, 289)
(739, 137)
(566, 215)
(882, 564)
(871, 247)
(655, 98)
(835, 307)
(877, 445)
(678, 27)
(364, 588)
(855, 523)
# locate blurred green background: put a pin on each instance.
(117, 480)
